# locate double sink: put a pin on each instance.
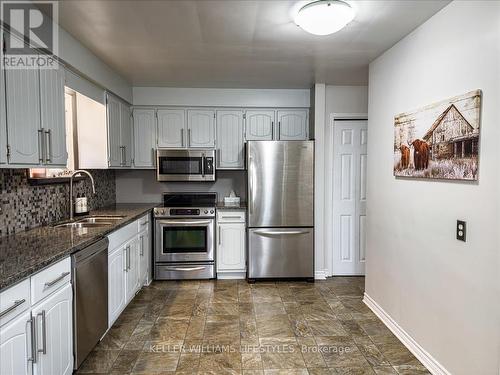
(92, 222)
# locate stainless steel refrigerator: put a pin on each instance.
(280, 209)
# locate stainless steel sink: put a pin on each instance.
(85, 225)
(100, 219)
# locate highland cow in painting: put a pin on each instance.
(439, 141)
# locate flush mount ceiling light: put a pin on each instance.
(324, 17)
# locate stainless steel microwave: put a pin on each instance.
(185, 165)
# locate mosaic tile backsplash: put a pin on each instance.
(24, 206)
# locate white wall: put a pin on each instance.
(221, 97)
(444, 293)
(329, 100)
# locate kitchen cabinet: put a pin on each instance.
(144, 256)
(231, 243)
(260, 125)
(119, 132)
(292, 125)
(230, 140)
(52, 113)
(144, 138)
(171, 128)
(200, 128)
(54, 324)
(3, 121)
(16, 347)
(116, 284)
(132, 269)
(24, 131)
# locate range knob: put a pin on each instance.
(205, 212)
(211, 211)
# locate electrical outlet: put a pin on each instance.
(461, 230)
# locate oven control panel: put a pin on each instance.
(184, 212)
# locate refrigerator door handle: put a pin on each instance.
(250, 185)
(279, 233)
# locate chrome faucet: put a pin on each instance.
(71, 189)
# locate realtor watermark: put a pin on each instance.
(30, 34)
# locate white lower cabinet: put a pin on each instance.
(231, 244)
(116, 284)
(15, 346)
(37, 338)
(54, 336)
(129, 257)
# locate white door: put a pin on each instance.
(15, 346)
(171, 126)
(230, 142)
(349, 197)
(115, 155)
(292, 125)
(201, 128)
(54, 326)
(231, 247)
(132, 265)
(116, 284)
(259, 125)
(143, 258)
(52, 116)
(144, 138)
(126, 134)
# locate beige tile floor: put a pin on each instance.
(232, 327)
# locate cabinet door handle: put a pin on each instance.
(48, 146)
(142, 246)
(124, 155)
(41, 150)
(182, 137)
(189, 138)
(128, 257)
(44, 333)
(125, 259)
(50, 283)
(16, 303)
(220, 236)
(279, 130)
(272, 129)
(32, 335)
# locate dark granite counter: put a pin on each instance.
(242, 206)
(25, 253)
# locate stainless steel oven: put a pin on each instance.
(185, 240)
(185, 165)
(185, 236)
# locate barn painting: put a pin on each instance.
(439, 141)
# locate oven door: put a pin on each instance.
(185, 165)
(184, 240)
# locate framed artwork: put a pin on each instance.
(439, 141)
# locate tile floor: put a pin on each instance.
(231, 327)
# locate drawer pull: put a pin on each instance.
(55, 281)
(16, 304)
(231, 217)
(185, 268)
(145, 223)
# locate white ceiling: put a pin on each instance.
(236, 43)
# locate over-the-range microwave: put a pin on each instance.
(185, 165)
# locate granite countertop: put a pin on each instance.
(25, 253)
(242, 206)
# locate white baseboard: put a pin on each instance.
(422, 355)
(320, 275)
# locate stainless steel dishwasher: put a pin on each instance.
(90, 298)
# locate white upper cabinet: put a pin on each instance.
(54, 325)
(126, 134)
(3, 121)
(115, 154)
(230, 140)
(259, 125)
(23, 116)
(292, 125)
(201, 128)
(144, 138)
(52, 116)
(171, 128)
